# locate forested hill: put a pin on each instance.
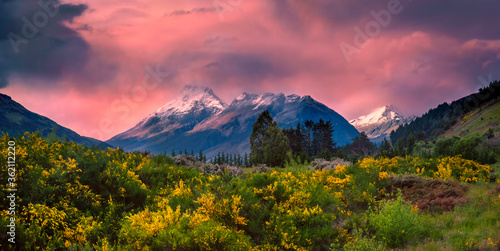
(438, 120)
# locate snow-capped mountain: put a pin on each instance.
(380, 122)
(194, 99)
(193, 105)
(199, 120)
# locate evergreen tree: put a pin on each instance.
(296, 139)
(276, 147)
(410, 143)
(264, 121)
(316, 138)
(245, 160)
(200, 156)
(421, 136)
(361, 145)
(323, 137)
(218, 159)
(400, 147)
(268, 144)
(240, 160)
(308, 131)
(173, 153)
(52, 137)
(386, 149)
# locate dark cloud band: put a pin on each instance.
(34, 41)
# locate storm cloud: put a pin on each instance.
(35, 43)
(87, 59)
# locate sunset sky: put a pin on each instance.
(90, 65)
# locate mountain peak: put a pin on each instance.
(192, 98)
(5, 98)
(378, 116)
(191, 89)
(292, 98)
(380, 122)
(256, 100)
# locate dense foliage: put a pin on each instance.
(73, 196)
(311, 139)
(436, 121)
(268, 145)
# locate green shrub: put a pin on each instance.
(396, 223)
(444, 147)
(363, 243)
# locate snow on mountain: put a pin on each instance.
(199, 120)
(292, 98)
(244, 106)
(378, 116)
(193, 98)
(380, 122)
(193, 105)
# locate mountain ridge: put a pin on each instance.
(380, 122)
(228, 129)
(15, 119)
(436, 121)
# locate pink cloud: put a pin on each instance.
(260, 46)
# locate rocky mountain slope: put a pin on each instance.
(380, 123)
(199, 120)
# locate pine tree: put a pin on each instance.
(276, 147)
(299, 137)
(296, 139)
(410, 143)
(400, 147)
(218, 159)
(268, 144)
(264, 121)
(245, 160)
(173, 153)
(421, 136)
(361, 145)
(386, 149)
(200, 156)
(308, 130)
(316, 139)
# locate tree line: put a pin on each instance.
(272, 146)
(221, 158)
(438, 120)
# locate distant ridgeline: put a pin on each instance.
(15, 120)
(438, 120)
